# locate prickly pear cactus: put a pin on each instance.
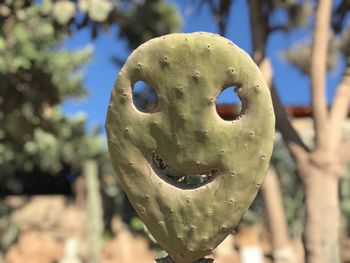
(185, 134)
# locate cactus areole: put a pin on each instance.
(185, 132)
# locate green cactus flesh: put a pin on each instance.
(188, 72)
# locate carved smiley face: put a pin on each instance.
(185, 135)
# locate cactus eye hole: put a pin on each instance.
(180, 179)
(144, 97)
(228, 104)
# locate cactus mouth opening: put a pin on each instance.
(180, 179)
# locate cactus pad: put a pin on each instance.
(184, 131)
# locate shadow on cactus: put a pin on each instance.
(189, 174)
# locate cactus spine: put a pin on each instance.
(188, 72)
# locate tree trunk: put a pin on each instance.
(319, 173)
(318, 71)
(322, 213)
(282, 249)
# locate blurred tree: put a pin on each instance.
(321, 166)
(276, 217)
(42, 150)
(37, 141)
(137, 21)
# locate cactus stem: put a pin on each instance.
(169, 260)
(187, 86)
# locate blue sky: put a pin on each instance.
(101, 72)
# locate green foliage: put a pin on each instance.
(61, 145)
(136, 224)
(8, 230)
(35, 77)
(137, 21)
(147, 20)
(64, 11)
(98, 10)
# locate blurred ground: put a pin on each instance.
(52, 229)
